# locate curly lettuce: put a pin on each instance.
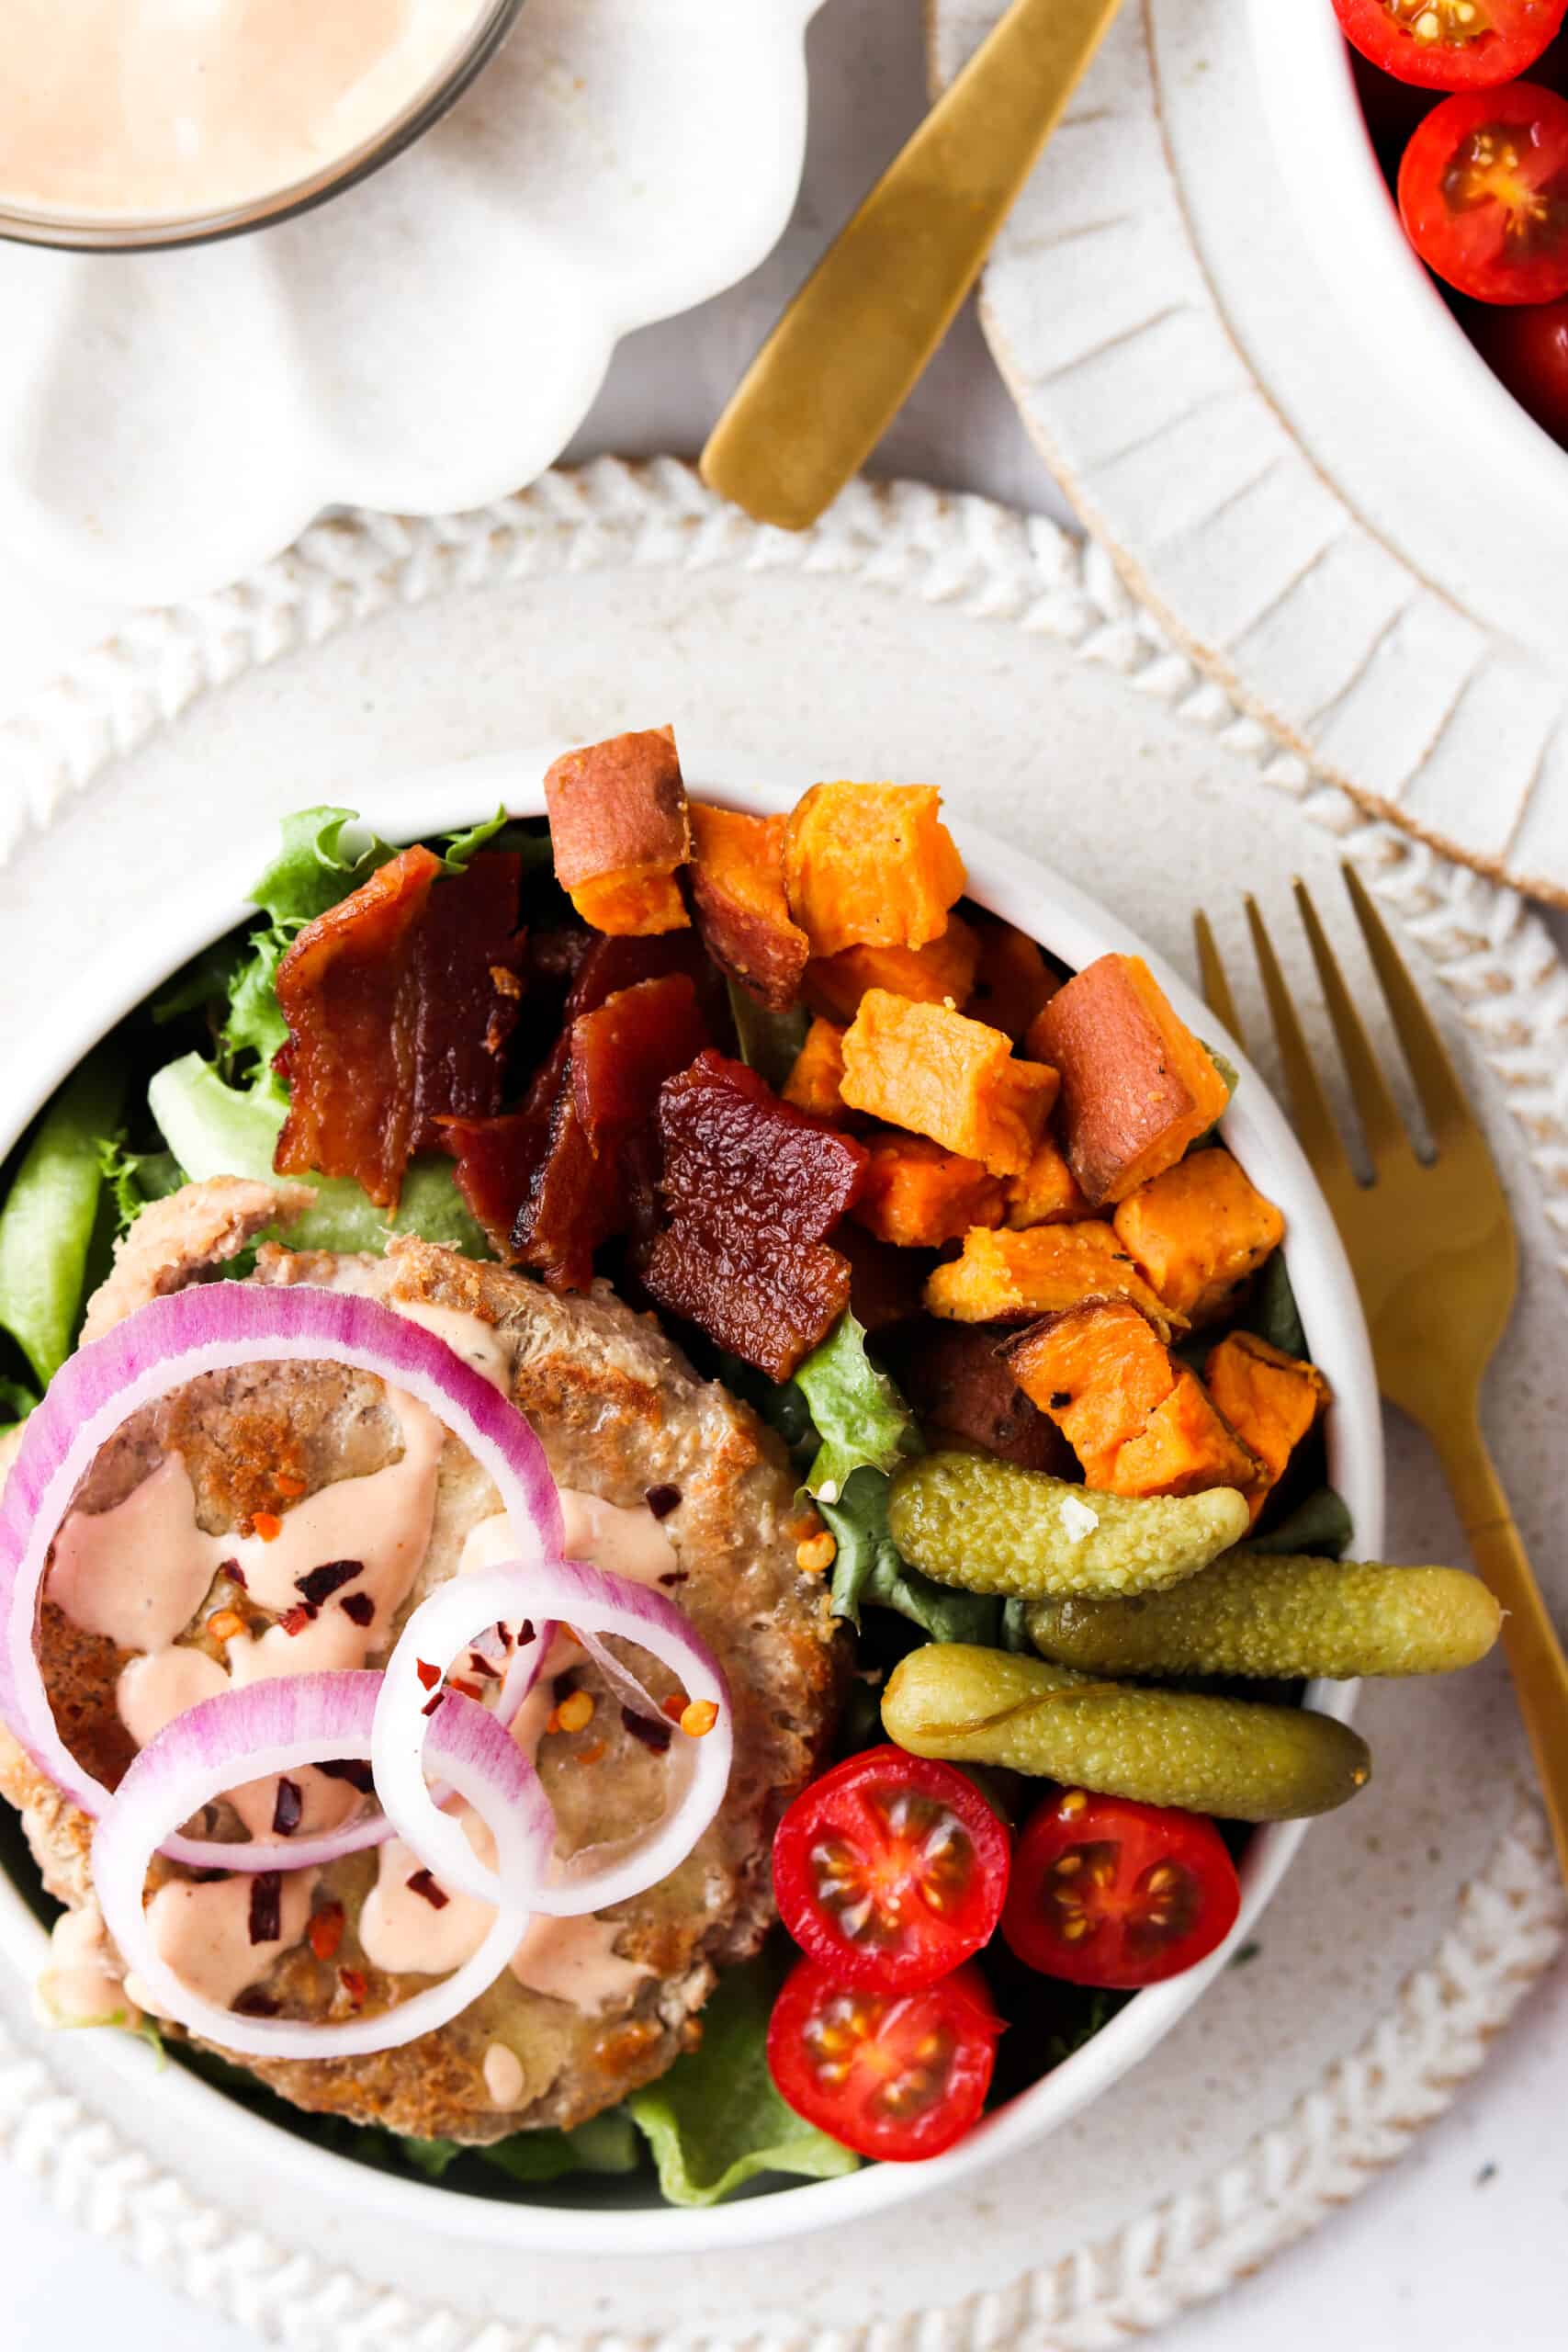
(48, 1223)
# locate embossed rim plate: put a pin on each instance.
(1074, 927)
(1197, 385)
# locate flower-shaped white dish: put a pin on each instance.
(427, 340)
(613, 2218)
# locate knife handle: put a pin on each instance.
(846, 354)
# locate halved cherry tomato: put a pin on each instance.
(1451, 44)
(890, 1869)
(1528, 347)
(894, 2075)
(1107, 1892)
(1483, 193)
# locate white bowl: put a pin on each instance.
(1073, 927)
(1446, 391)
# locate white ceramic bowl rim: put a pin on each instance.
(1351, 224)
(1074, 928)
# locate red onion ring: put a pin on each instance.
(213, 1328)
(359, 1836)
(274, 1726)
(594, 1602)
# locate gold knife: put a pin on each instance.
(847, 352)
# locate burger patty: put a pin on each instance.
(619, 1412)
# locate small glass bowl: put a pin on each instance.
(130, 234)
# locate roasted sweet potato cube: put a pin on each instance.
(1048, 1192)
(1011, 1277)
(815, 1081)
(750, 1187)
(942, 972)
(884, 1283)
(1270, 1399)
(1137, 1086)
(870, 864)
(918, 1195)
(1198, 1231)
(619, 828)
(1012, 980)
(963, 1390)
(742, 913)
(940, 1074)
(1140, 1421)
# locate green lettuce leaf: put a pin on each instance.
(134, 1178)
(605, 2143)
(769, 1041)
(214, 1129)
(862, 1420)
(869, 1571)
(1320, 1524)
(1274, 1315)
(715, 2121)
(47, 1224)
(312, 869)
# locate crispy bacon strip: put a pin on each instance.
(396, 1017)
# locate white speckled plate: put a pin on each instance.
(1191, 378)
(909, 635)
(429, 339)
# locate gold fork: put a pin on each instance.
(1432, 1244)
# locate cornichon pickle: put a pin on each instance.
(1229, 1756)
(989, 1526)
(1279, 1615)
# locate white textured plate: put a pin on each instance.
(950, 639)
(1199, 388)
(427, 340)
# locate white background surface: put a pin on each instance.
(1461, 2249)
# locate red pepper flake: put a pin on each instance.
(654, 1736)
(431, 1705)
(663, 1501)
(290, 1488)
(253, 2003)
(350, 1769)
(266, 1907)
(234, 1572)
(481, 1666)
(287, 1808)
(469, 1690)
(325, 1930)
(267, 1525)
(429, 1675)
(525, 1633)
(293, 1621)
(320, 1583)
(676, 1576)
(422, 1884)
(358, 1607)
(504, 1638)
(355, 1984)
(674, 1706)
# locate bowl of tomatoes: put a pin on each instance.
(1425, 143)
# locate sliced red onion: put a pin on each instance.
(593, 1603)
(362, 1835)
(276, 1726)
(621, 1679)
(207, 1329)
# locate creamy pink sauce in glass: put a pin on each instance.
(160, 109)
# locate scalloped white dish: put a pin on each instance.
(427, 340)
(627, 2219)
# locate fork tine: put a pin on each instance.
(1212, 972)
(1442, 1098)
(1320, 1137)
(1381, 1124)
